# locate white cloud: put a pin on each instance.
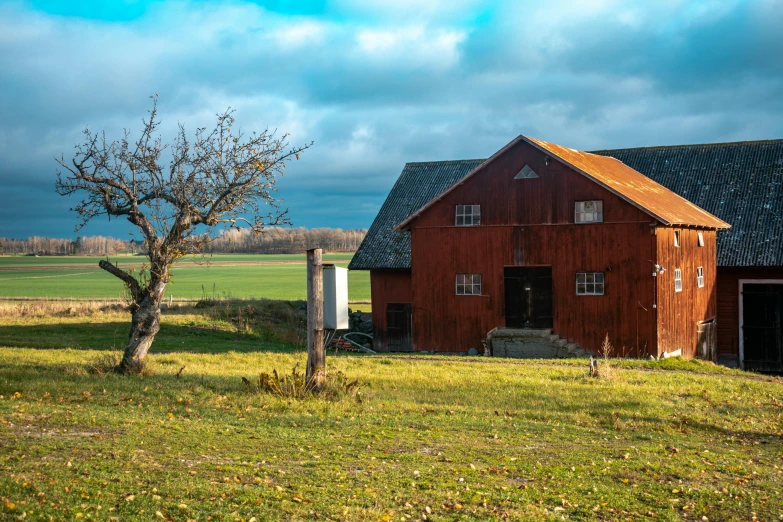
(417, 45)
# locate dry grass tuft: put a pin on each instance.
(602, 368)
(295, 386)
(108, 363)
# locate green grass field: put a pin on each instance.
(228, 276)
(433, 437)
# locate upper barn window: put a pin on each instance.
(676, 238)
(677, 280)
(589, 211)
(701, 238)
(700, 276)
(468, 215)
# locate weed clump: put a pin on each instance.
(108, 363)
(336, 386)
(601, 368)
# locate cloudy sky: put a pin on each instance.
(376, 84)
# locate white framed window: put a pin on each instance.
(588, 211)
(701, 239)
(677, 238)
(468, 284)
(677, 280)
(700, 277)
(589, 283)
(526, 173)
(468, 215)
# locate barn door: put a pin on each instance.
(761, 327)
(707, 348)
(399, 320)
(528, 296)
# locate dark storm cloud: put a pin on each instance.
(376, 85)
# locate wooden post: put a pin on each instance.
(316, 354)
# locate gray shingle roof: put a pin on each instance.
(741, 183)
(418, 183)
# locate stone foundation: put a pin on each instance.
(531, 343)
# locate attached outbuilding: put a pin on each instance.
(741, 183)
(541, 236)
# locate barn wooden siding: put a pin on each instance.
(387, 286)
(680, 312)
(728, 304)
(530, 222)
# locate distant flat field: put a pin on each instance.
(240, 276)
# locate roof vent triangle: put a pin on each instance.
(526, 173)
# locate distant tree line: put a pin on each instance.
(82, 246)
(285, 240)
(273, 240)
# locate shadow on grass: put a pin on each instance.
(114, 336)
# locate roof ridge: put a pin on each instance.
(441, 162)
(684, 146)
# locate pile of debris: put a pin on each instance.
(359, 322)
(360, 325)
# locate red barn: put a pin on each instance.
(540, 236)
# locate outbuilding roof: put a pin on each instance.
(383, 247)
(740, 183)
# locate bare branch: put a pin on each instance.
(129, 280)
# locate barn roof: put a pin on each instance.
(741, 183)
(383, 247)
(618, 178)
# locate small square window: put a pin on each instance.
(467, 215)
(589, 283)
(701, 239)
(700, 277)
(677, 280)
(468, 284)
(677, 238)
(589, 211)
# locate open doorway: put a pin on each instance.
(761, 328)
(528, 296)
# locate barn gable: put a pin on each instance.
(740, 183)
(614, 176)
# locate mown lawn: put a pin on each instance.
(441, 438)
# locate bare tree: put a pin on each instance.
(222, 178)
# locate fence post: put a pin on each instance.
(316, 353)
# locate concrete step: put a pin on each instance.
(551, 338)
(580, 352)
(520, 332)
(560, 343)
(571, 347)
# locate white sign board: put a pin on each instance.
(335, 298)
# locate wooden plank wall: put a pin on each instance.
(530, 222)
(680, 312)
(444, 321)
(387, 286)
(728, 303)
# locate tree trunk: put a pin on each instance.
(145, 324)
